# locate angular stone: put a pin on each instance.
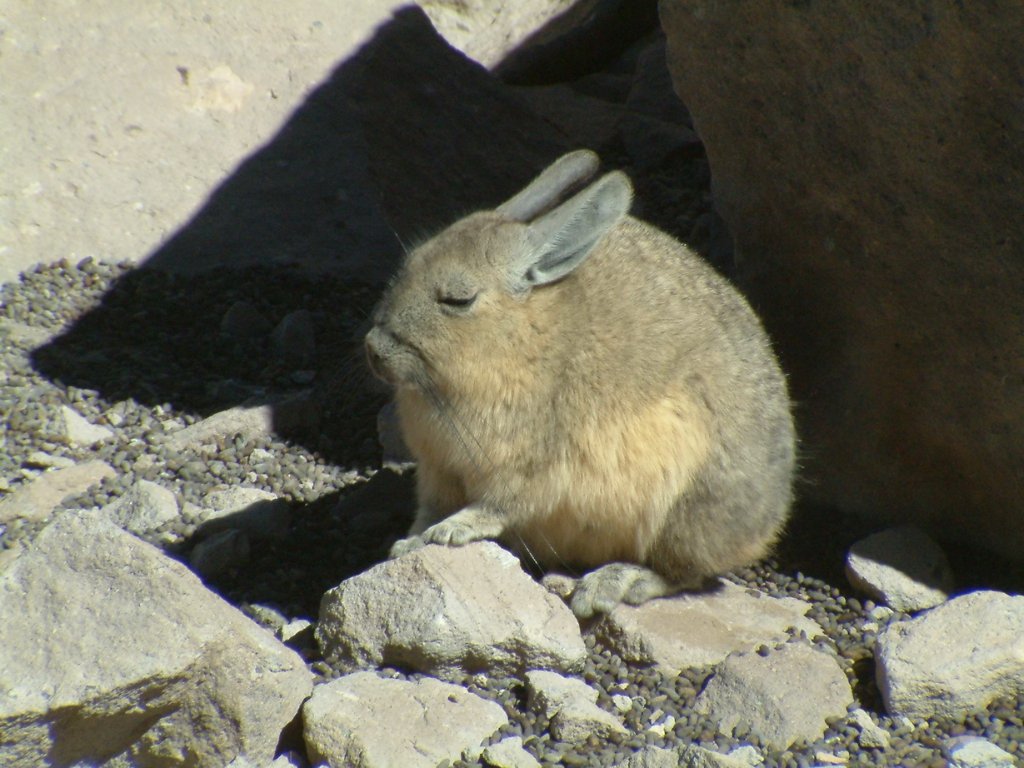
(687, 756)
(220, 553)
(652, 757)
(872, 736)
(366, 721)
(782, 697)
(975, 752)
(488, 30)
(47, 461)
(873, 191)
(291, 630)
(259, 513)
(508, 753)
(953, 659)
(143, 508)
(747, 755)
(289, 759)
(901, 567)
(111, 651)
(694, 756)
(445, 610)
(294, 414)
(38, 499)
(700, 629)
(571, 706)
(79, 431)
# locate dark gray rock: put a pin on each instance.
(874, 188)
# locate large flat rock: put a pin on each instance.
(112, 654)
(953, 659)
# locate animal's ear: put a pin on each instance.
(559, 241)
(554, 182)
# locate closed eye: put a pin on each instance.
(457, 302)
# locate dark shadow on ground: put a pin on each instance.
(401, 139)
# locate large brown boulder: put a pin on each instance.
(868, 157)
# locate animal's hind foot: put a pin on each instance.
(604, 588)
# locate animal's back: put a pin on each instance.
(669, 436)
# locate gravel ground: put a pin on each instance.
(145, 355)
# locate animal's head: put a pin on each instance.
(478, 299)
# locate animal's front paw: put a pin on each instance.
(405, 546)
(452, 533)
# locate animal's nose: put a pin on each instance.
(374, 354)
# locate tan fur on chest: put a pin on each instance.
(608, 497)
(598, 495)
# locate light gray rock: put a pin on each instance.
(694, 756)
(872, 736)
(747, 755)
(292, 629)
(571, 706)
(687, 756)
(487, 30)
(976, 752)
(366, 721)
(296, 413)
(782, 697)
(622, 702)
(955, 658)
(508, 753)
(48, 461)
(443, 610)
(76, 430)
(143, 508)
(266, 616)
(700, 629)
(259, 513)
(286, 760)
(220, 553)
(37, 499)
(901, 567)
(652, 757)
(111, 654)
(247, 421)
